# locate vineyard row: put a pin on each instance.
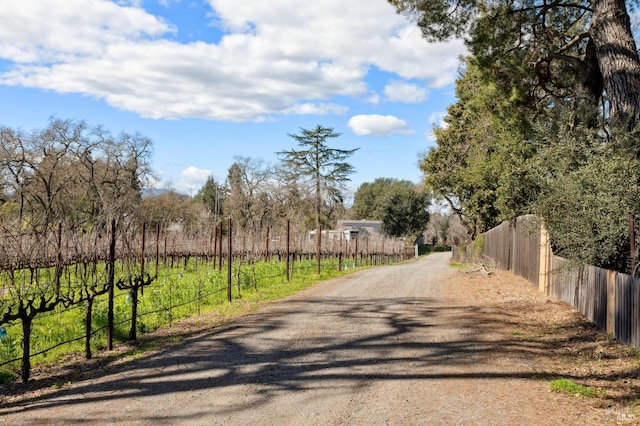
(104, 283)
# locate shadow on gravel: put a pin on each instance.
(333, 342)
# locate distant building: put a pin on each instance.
(363, 228)
(349, 230)
(327, 234)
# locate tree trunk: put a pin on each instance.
(618, 59)
(134, 314)
(87, 327)
(26, 348)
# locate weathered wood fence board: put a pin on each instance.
(526, 249)
(497, 245)
(609, 299)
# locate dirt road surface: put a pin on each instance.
(382, 346)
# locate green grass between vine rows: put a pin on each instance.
(177, 293)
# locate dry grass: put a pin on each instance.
(563, 344)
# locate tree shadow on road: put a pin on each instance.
(308, 344)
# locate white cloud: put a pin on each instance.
(378, 125)
(276, 57)
(436, 120)
(410, 57)
(192, 179)
(156, 182)
(309, 108)
(45, 32)
(134, 3)
(398, 91)
(373, 98)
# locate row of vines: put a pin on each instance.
(76, 290)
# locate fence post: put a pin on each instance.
(288, 247)
(366, 242)
(87, 326)
(169, 308)
(266, 249)
(632, 245)
(611, 303)
(355, 251)
(215, 244)
(229, 234)
(134, 289)
(143, 254)
(545, 254)
(220, 248)
(164, 251)
(112, 272)
(157, 248)
(58, 258)
(318, 244)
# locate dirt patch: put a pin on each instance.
(560, 341)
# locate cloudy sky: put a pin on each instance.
(208, 80)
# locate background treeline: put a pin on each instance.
(83, 177)
(546, 121)
(71, 174)
(88, 249)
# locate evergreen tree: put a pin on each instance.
(319, 164)
(211, 195)
(545, 50)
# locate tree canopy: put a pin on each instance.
(69, 172)
(405, 214)
(545, 120)
(399, 204)
(212, 195)
(371, 197)
(480, 163)
(545, 49)
(316, 163)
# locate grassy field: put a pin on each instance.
(175, 294)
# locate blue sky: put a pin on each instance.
(208, 80)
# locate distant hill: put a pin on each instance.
(154, 192)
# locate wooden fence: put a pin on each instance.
(609, 299)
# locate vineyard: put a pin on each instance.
(80, 291)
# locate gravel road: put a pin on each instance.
(381, 346)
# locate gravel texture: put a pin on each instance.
(397, 345)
